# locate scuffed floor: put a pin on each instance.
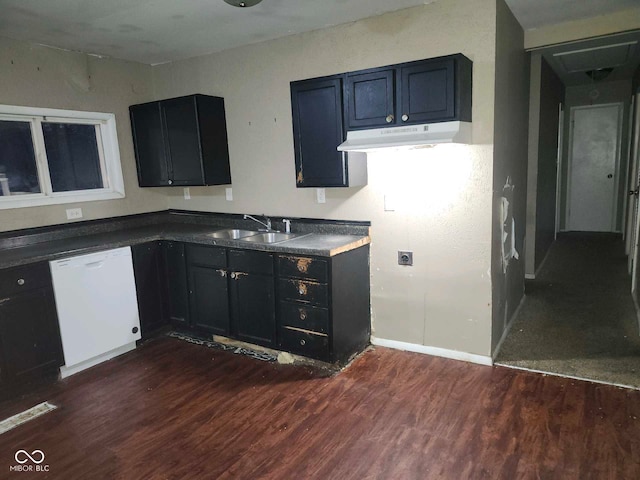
(578, 318)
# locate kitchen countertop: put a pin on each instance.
(316, 244)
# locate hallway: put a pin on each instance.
(578, 317)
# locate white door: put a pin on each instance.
(593, 168)
(633, 202)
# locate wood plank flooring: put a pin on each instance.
(173, 410)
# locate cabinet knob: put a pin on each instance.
(233, 276)
(170, 182)
(223, 273)
(389, 118)
(303, 315)
(302, 342)
(21, 281)
(405, 117)
(302, 289)
(134, 330)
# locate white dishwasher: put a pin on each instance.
(97, 307)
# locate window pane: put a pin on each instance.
(18, 170)
(72, 152)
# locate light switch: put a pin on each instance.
(320, 195)
(228, 193)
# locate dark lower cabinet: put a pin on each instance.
(208, 289)
(324, 306)
(253, 296)
(317, 307)
(176, 289)
(30, 344)
(151, 284)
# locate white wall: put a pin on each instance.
(38, 76)
(444, 195)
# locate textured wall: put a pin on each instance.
(509, 168)
(547, 93)
(36, 76)
(442, 195)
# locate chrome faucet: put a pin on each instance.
(266, 224)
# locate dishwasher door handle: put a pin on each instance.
(97, 264)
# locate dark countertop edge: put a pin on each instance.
(164, 218)
(186, 237)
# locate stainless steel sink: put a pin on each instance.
(232, 234)
(270, 237)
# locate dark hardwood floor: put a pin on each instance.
(173, 410)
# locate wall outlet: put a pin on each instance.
(320, 195)
(405, 258)
(187, 193)
(74, 213)
(228, 194)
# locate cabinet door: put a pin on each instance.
(254, 312)
(371, 99)
(30, 335)
(183, 139)
(176, 286)
(427, 92)
(148, 266)
(149, 144)
(209, 299)
(317, 132)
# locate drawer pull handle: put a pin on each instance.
(21, 281)
(303, 264)
(302, 342)
(302, 289)
(303, 315)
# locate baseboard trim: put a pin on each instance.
(435, 351)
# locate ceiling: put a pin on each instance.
(157, 31)
(571, 60)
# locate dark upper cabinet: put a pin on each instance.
(318, 129)
(371, 98)
(181, 142)
(148, 267)
(208, 289)
(176, 289)
(252, 293)
(30, 344)
(317, 132)
(425, 91)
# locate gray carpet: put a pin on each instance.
(578, 318)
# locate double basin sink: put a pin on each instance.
(253, 236)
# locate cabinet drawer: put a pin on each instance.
(21, 279)
(304, 291)
(304, 267)
(207, 256)
(304, 343)
(250, 261)
(304, 316)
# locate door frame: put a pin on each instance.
(616, 176)
(561, 111)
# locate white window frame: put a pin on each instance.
(109, 156)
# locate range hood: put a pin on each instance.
(407, 136)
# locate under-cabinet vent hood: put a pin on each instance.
(407, 136)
